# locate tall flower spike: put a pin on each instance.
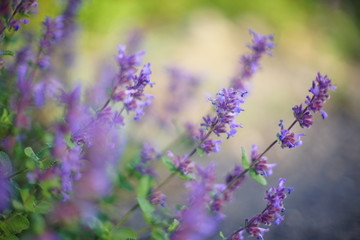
(129, 87)
(271, 214)
(261, 44)
(320, 93)
(196, 223)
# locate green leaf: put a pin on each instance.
(37, 223)
(124, 183)
(244, 159)
(159, 234)
(17, 224)
(6, 53)
(9, 237)
(147, 208)
(124, 233)
(169, 164)
(189, 176)
(173, 225)
(222, 236)
(200, 151)
(5, 117)
(17, 205)
(28, 199)
(258, 177)
(47, 163)
(30, 153)
(145, 185)
(43, 207)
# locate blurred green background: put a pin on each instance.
(206, 38)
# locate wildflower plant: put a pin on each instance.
(59, 180)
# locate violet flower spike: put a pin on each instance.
(196, 223)
(275, 197)
(261, 44)
(320, 90)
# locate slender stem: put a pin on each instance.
(247, 224)
(18, 173)
(11, 18)
(126, 216)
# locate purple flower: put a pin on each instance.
(53, 32)
(181, 88)
(27, 6)
(272, 213)
(261, 44)
(227, 107)
(262, 166)
(211, 145)
(320, 93)
(16, 23)
(147, 156)
(158, 198)
(320, 90)
(182, 163)
(304, 117)
(288, 139)
(196, 223)
(129, 87)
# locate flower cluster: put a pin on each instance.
(271, 214)
(288, 139)
(182, 163)
(320, 93)
(261, 44)
(53, 32)
(182, 86)
(129, 87)
(261, 166)
(196, 222)
(147, 155)
(227, 107)
(75, 168)
(24, 7)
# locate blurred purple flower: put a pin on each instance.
(196, 223)
(129, 87)
(182, 163)
(181, 87)
(53, 32)
(158, 198)
(261, 44)
(147, 156)
(211, 145)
